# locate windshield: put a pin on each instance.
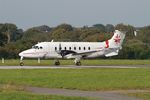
(37, 47)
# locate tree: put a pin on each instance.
(63, 32)
(144, 35)
(3, 39)
(135, 49)
(43, 28)
(10, 32)
(66, 27)
(101, 27)
(126, 28)
(109, 28)
(34, 36)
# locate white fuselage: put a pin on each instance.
(49, 49)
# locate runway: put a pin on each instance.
(73, 67)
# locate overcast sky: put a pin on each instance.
(29, 13)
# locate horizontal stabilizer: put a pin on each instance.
(111, 54)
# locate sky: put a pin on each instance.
(29, 13)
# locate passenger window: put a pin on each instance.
(79, 48)
(69, 48)
(41, 48)
(74, 48)
(84, 48)
(55, 48)
(89, 48)
(60, 48)
(65, 48)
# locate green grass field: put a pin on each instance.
(17, 95)
(70, 62)
(12, 92)
(81, 79)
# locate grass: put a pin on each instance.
(84, 62)
(12, 92)
(14, 95)
(81, 79)
(143, 96)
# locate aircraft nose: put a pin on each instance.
(21, 54)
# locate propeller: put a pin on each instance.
(63, 53)
(60, 51)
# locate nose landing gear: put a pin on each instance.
(21, 61)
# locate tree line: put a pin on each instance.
(14, 40)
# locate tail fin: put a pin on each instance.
(117, 39)
(114, 44)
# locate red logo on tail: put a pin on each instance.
(117, 39)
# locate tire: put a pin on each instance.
(21, 63)
(78, 63)
(57, 63)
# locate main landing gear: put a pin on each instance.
(77, 61)
(21, 61)
(56, 62)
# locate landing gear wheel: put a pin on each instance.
(57, 63)
(78, 63)
(21, 63)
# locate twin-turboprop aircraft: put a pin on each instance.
(75, 50)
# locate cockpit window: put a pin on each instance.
(37, 47)
(33, 47)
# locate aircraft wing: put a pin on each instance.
(63, 53)
(72, 54)
(84, 54)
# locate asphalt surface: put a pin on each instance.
(102, 95)
(69, 66)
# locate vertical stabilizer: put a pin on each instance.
(117, 39)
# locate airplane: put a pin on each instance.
(75, 50)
